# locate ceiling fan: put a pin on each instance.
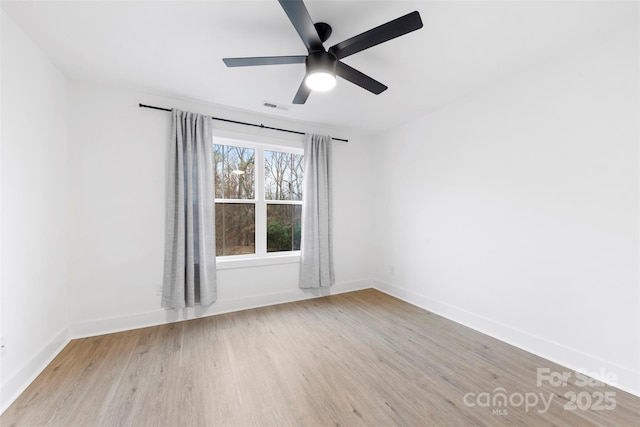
(323, 65)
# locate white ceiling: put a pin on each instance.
(175, 48)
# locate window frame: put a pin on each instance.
(261, 257)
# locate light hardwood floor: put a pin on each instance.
(362, 358)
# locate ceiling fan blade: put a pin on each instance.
(263, 60)
(302, 94)
(358, 78)
(299, 17)
(385, 32)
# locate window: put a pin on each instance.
(258, 196)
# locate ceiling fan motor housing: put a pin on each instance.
(321, 62)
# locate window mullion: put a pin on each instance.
(261, 206)
(284, 202)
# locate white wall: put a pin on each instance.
(515, 210)
(117, 166)
(34, 211)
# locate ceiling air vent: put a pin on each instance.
(275, 106)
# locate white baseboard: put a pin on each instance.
(627, 379)
(19, 381)
(160, 316)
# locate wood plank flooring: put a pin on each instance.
(362, 358)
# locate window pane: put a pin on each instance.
(283, 175)
(235, 177)
(283, 227)
(235, 228)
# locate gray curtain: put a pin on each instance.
(190, 246)
(316, 267)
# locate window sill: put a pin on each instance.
(228, 263)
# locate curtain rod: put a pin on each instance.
(241, 123)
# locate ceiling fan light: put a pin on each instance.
(320, 81)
